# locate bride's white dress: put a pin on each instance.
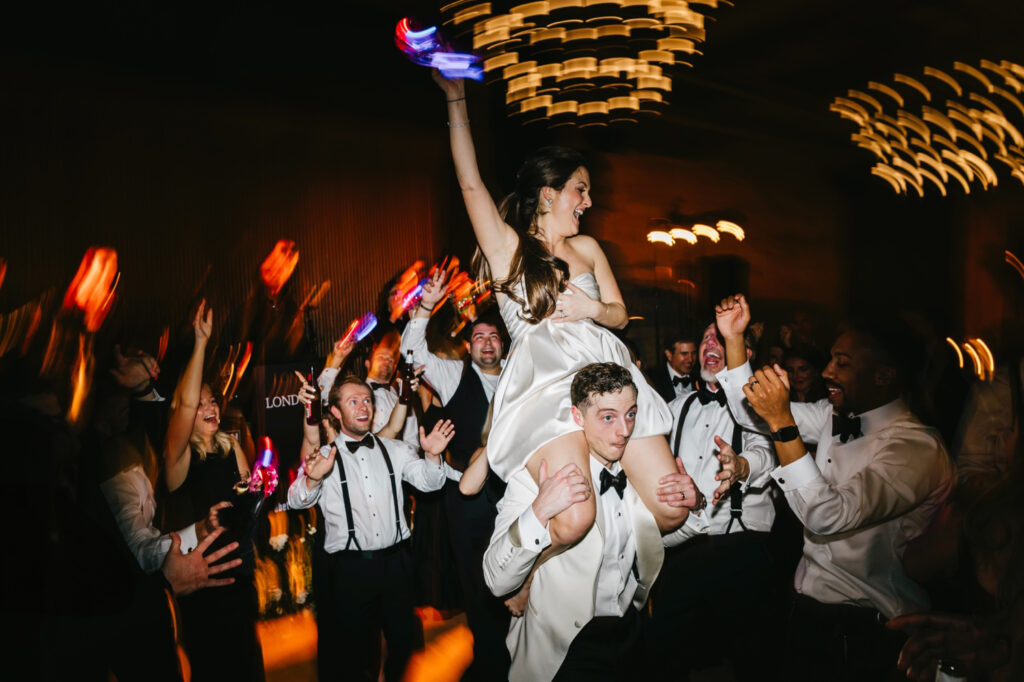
(532, 403)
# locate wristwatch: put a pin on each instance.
(786, 434)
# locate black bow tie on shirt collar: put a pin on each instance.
(354, 445)
(847, 428)
(617, 481)
(705, 395)
(685, 381)
(375, 385)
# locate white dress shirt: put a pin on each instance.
(130, 497)
(697, 448)
(442, 373)
(384, 400)
(680, 388)
(861, 501)
(370, 490)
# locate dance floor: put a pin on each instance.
(289, 648)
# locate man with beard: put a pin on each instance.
(673, 379)
(357, 481)
(877, 479)
(730, 466)
(465, 389)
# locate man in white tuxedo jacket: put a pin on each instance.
(581, 621)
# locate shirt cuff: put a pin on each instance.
(189, 540)
(326, 380)
(798, 474)
(736, 376)
(533, 536)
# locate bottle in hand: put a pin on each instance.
(408, 375)
(315, 406)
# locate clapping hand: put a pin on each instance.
(734, 468)
(679, 490)
(567, 487)
(317, 465)
(768, 393)
(435, 443)
(187, 573)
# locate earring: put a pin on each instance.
(549, 203)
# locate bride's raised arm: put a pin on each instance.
(497, 240)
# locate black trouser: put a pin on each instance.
(371, 592)
(714, 600)
(840, 642)
(605, 649)
(218, 628)
(471, 522)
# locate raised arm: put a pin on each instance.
(186, 402)
(497, 240)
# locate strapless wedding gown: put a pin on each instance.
(532, 402)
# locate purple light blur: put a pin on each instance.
(427, 48)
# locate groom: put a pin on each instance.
(582, 621)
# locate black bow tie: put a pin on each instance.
(354, 445)
(705, 396)
(618, 481)
(374, 385)
(685, 381)
(847, 428)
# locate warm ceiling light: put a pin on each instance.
(979, 369)
(591, 53)
(956, 349)
(660, 237)
(959, 144)
(683, 235)
(706, 231)
(729, 227)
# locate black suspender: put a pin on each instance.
(348, 502)
(736, 492)
(394, 489)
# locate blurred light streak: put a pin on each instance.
(956, 349)
(428, 47)
(979, 369)
(81, 378)
(945, 78)
(985, 353)
(3, 271)
(729, 227)
(678, 233)
(660, 237)
(279, 265)
(161, 350)
(444, 659)
(914, 83)
(92, 289)
(359, 328)
(706, 231)
(1014, 262)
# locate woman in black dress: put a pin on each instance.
(203, 466)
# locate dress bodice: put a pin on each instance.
(512, 312)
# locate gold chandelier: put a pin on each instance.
(582, 62)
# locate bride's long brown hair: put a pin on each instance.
(543, 274)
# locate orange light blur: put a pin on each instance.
(81, 378)
(278, 266)
(979, 368)
(3, 271)
(988, 360)
(683, 235)
(729, 227)
(92, 289)
(660, 237)
(161, 350)
(956, 349)
(706, 231)
(1014, 262)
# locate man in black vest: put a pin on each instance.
(465, 389)
(357, 481)
(673, 378)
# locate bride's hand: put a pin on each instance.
(454, 88)
(574, 304)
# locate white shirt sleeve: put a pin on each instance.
(899, 476)
(301, 497)
(326, 380)
(810, 418)
(420, 473)
(761, 456)
(441, 373)
(130, 497)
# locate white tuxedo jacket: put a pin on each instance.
(562, 595)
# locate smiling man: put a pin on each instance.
(877, 479)
(582, 621)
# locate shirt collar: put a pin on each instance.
(672, 374)
(880, 417)
(596, 466)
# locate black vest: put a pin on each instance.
(468, 411)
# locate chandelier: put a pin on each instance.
(941, 129)
(582, 62)
(672, 233)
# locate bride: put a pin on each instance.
(557, 295)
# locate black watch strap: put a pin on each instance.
(786, 434)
